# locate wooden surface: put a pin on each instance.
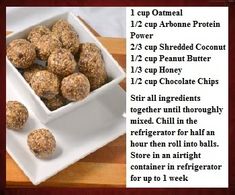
(104, 168)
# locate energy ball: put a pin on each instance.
(42, 143)
(21, 53)
(70, 41)
(91, 64)
(29, 72)
(55, 103)
(16, 115)
(60, 26)
(62, 62)
(75, 87)
(46, 45)
(37, 32)
(45, 84)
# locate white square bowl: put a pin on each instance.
(114, 71)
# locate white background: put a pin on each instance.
(108, 21)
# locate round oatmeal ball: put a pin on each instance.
(91, 64)
(62, 62)
(21, 53)
(60, 26)
(16, 115)
(37, 32)
(55, 103)
(46, 45)
(70, 41)
(42, 143)
(45, 84)
(75, 87)
(29, 72)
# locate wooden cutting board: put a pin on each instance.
(104, 168)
